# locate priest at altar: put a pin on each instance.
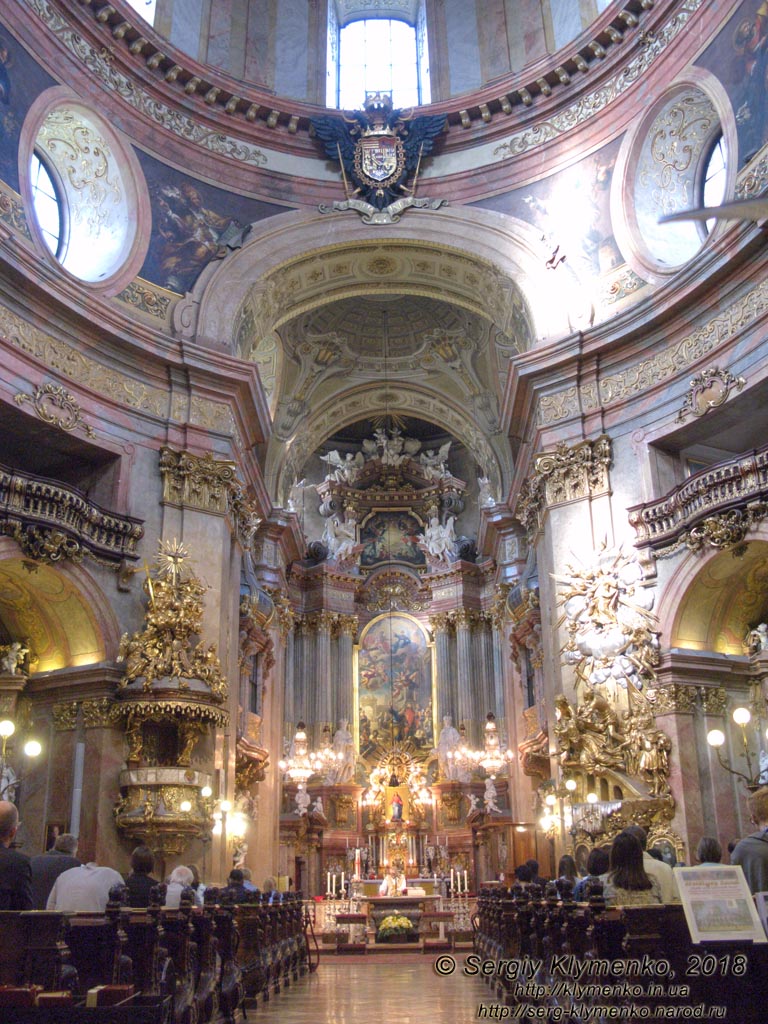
(394, 883)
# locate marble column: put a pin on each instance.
(345, 686)
(324, 681)
(300, 673)
(465, 674)
(289, 678)
(445, 700)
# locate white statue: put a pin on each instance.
(339, 538)
(474, 803)
(447, 743)
(13, 659)
(440, 541)
(344, 470)
(757, 639)
(302, 802)
(317, 806)
(392, 448)
(435, 463)
(296, 495)
(485, 498)
(343, 769)
(489, 798)
(8, 781)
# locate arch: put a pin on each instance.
(62, 611)
(712, 601)
(496, 249)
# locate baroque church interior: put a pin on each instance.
(382, 488)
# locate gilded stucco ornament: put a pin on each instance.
(707, 391)
(592, 738)
(57, 406)
(171, 697)
(564, 475)
(611, 635)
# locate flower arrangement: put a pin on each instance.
(394, 925)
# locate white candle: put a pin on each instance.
(342, 883)
(334, 884)
(452, 889)
(466, 887)
(328, 886)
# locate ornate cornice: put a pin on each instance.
(79, 366)
(714, 508)
(52, 522)
(565, 475)
(663, 365)
(127, 43)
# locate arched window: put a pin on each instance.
(378, 55)
(146, 8)
(714, 178)
(48, 207)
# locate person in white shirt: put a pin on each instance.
(85, 888)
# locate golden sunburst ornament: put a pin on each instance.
(170, 560)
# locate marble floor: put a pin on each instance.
(363, 990)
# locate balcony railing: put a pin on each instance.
(715, 507)
(51, 521)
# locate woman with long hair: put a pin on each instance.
(628, 882)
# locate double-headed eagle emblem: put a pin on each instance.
(379, 149)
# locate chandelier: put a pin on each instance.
(491, 758)
(301, 763)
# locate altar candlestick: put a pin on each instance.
(451, 879)
(466, 887)
(328, 886)
(342, 884)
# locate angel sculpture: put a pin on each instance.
(435, 463)
(485, 498)
(379, 148)
(343, 470)
(440, 541)
(391, 448)
(339, 538)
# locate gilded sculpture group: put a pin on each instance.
(592, 737)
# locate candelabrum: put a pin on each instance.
(9, 780)
(756, 762)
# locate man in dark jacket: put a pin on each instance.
(15, 872)
(47, 867)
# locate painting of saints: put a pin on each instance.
(394, 682)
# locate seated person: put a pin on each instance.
(628, 882)
(236, 890)
(394, 884)
(598, 863)
(181, 879)
(140, 881)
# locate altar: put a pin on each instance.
(411, 907)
